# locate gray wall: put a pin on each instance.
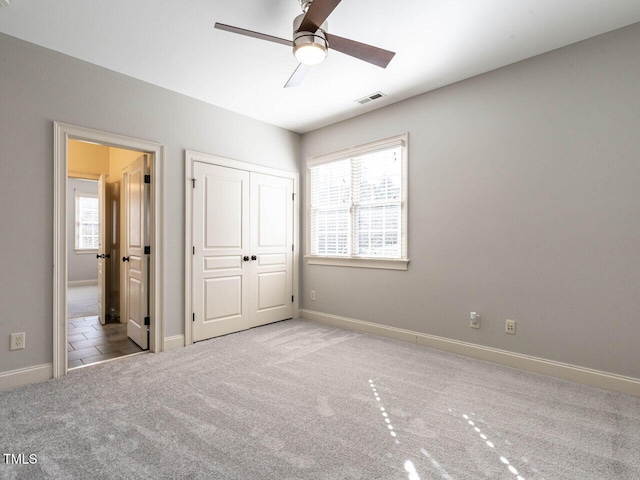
(37, 87)
(80, 266)
(524, 204)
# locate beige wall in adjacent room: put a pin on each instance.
(118, 159)
(87, 160)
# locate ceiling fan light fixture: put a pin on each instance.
(310, 49)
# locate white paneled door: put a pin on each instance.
(242, 259)
(220, 251)
(134, 260)
(271, 248)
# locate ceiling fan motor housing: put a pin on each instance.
(310, 48)
(304, 4)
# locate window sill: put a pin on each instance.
(383, 263)
(84, 251)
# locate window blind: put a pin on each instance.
(356, 205)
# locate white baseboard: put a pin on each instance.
(25, 376)
(587, 376)
(82, 283)
(172, 343)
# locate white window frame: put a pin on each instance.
(80, 194)
(361, 261)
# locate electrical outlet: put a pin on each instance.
(510, 327)
(17, 341)
(474, 320)
(313, 295)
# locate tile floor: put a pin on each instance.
(88, 341)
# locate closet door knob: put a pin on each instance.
(246, 258)
(106, 255)
(125, 259)
(254, 257)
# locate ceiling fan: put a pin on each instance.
(311, 41)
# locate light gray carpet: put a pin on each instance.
(300, 400)
(82, 301)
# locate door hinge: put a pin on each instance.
(147, 179)
(194, 318)
(293, 197)
(193, 182)
(147, 250)
(292, 248)
(291, 298)
(194, 250)
(147, 321)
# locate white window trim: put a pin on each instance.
(358, 261)
(78, 250)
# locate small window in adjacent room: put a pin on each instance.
(87, 222)
(357, 206)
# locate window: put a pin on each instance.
(87, 222)
(357, 206)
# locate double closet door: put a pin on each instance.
(242, 230)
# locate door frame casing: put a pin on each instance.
(64, 132)
(190, 158)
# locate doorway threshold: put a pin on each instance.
(129, 355)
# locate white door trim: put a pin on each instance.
(190, 158)
(62, 134)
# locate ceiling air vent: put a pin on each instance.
(370, 98)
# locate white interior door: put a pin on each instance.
(134, 265)
(271, 248)
(221, 257)
(102, 249)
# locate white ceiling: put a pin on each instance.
(438, 42)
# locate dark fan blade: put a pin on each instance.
(368, 53)
(298, 76)
(250, 33)
(318, 12)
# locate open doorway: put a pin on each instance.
(128, 257)
(97, 326)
